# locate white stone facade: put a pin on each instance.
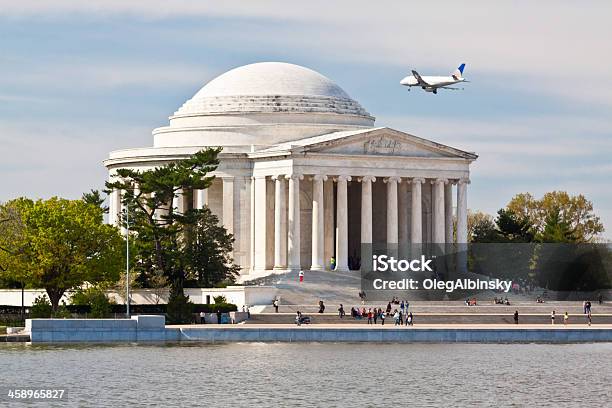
(304, 174)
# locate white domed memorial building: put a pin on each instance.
(304, 174)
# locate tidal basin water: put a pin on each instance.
(321, 375)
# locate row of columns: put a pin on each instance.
(287, 233)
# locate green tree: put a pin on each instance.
(95, 197)
(209, 250)
(63, 244)
(481, 227)
(512, 227)
(576, 211)
(11, 229)
(556, 229)
(166, 239)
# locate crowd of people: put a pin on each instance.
(400, 315)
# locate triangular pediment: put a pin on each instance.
(383, 142)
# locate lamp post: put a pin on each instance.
(127, 259)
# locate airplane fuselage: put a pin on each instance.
(433, 82)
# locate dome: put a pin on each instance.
(271, 87)
(262, 104)
(271, 78)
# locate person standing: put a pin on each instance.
(409, 319)
(552, 318)
(565, 318)
(341, 311)
(589, 318)
(516, 317)
(218, 316)
(202, 317)
(370, 316)
(321, 307)
(275, 304)
(588, 306)
(376, 314)
(396, 318)
(382, 317)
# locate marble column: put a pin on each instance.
(252, 223)
(228, 204)
(200, 198)
(448, 212)
(438, 209)
(403, 214)
(260, 218)
(330, 230)
(318, 223)
(180, 202)
(392, 228)
(416, 226)
(366, 209)
(293, 236)
(280, 223)
(462, 213)
(114, 205)
(342, 224)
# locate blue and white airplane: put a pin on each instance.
(433, 83)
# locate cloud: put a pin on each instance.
(47, 159)
(545, 46)
(91, 74)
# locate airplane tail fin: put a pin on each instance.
(459, 72)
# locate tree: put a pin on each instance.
(166, 238)
(556, 229)
(209, 251)
(95, 197)
(11, 228)
(63, 244)
(512, 227)
(506, 227)
(575, 211)
(481, 227)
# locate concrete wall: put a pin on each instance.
(377, 335)
(238, 295)
(152, 328)
(138, 328)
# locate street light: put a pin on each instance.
(127, 259)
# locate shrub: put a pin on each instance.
(62, 312)
(95, 298)
(220, 299)
(179, 309)
(41, 308)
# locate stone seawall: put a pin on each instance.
(401, 335)
(153, 329)
(137, 329)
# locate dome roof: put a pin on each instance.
(271, 87)
(271, 78)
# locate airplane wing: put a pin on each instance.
(419, 78)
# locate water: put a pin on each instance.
(321, 375)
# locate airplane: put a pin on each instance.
(433, 83)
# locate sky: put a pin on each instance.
(80, 79)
